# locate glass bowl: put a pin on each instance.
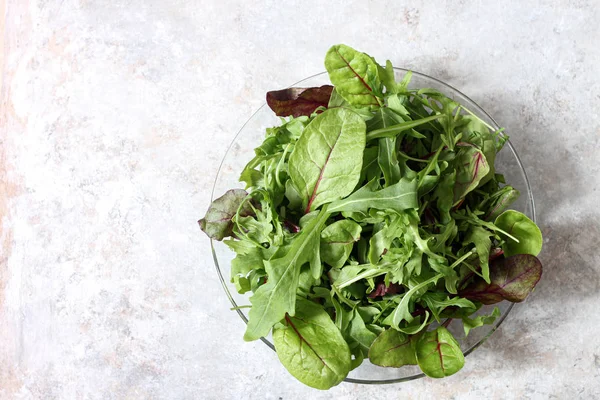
(252, 134)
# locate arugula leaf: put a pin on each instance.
(353, 74)
(402, 311)
(525, 230)
(324, 163)
(392, 349)
(480, 237)
(311, 347)
(387, 157)
(277, 297)
(480, 320)
(511, 279)
(298, 101)
(217, 223)
(398, 197)
(439, 354)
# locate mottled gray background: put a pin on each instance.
(114, 116)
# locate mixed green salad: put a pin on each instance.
(373, 215)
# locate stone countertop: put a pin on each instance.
(114, 116)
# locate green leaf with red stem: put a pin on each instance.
(439, 354)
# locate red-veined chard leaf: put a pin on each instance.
(439, 354)
(327, 159)
(511, 278)
(217, 222)
(298, 101)
(311, 347)
(354, 75)
(392, 349)
(471, 168)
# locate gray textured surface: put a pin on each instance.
(114, 115)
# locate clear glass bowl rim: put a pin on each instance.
(478, 110)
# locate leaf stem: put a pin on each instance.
(394, 130)
(463, 258)
(480, 120)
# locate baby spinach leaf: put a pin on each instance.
(298, 101)
(217, 223)
(277, 297)
(525, 230)
(337, 241)
(392, 349)
(512, 279)
(439, 354)
(398, 197)
(311, 347)
(326, 162)
(471, 168)
(480, 320)
(353, 74)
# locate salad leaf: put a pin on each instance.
(277, 297)
(324, 163)
(480, 237)
(298, 101)
(507, 196)
(311, 347)
(525, 230)
(392, 349)
(398, 197)
(480, 320)
(512, 279)
(217, 223)
(337, 241)
(354, 75)
(471, 168)
(439, 354)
